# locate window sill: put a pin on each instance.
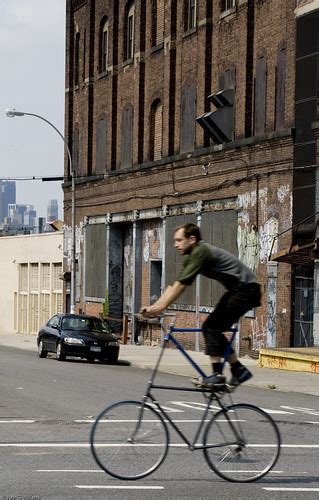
(128, 62)
(190, 32)
(103, 74)
(157, 47)
(227, 12)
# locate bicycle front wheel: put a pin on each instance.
(129, 440)
(243, 443)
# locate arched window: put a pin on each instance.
(157, 22)
(76, 150)
(188, 116)
(104, 45)
(260, 96)
(76, 58)
(129, 31)
(189, 14)
(127, 137)
(101, 145)
(156, 130)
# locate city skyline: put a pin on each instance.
(32, 81)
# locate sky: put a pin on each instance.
(32, 59)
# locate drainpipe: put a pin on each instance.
(164, 215)
(134, 275)
(199, 208)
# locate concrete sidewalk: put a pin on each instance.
(173, 362)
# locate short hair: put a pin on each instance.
(190, 230)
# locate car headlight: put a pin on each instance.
(72, 340)
(113, 343)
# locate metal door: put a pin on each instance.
(303, 312)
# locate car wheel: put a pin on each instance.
(60, 356)
(113, 358)
(41, 352)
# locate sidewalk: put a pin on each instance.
(173, 362)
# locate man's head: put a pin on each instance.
(186, 237)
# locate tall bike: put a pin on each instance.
(130, 439)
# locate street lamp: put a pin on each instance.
(11, 113)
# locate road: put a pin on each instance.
(46, 412)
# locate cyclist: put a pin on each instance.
(242, 294)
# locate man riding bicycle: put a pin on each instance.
(243, 293)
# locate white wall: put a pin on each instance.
(15, 250)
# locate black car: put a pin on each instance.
(78, 335)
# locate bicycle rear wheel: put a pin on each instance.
(129, 440)
(243, 443)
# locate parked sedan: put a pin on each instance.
(78, 335)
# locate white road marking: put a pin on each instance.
(195, 405)
(290, 489)
(168, 409)
(277, 412)
(16, 421)
(308, 411)
(71, 470)
(91, 487)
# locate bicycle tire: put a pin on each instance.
(124, 449)
(245, 449)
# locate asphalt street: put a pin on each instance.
(46, 413)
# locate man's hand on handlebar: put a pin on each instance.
(150, 311)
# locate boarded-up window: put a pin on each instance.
(76, 59)
(127, 137)
(129, 30)
(227, 79)
(34, 277)
(104, 45)
(45, 277)
(280, 88)
(75, 150)
(188, 116)
(260, 96)
(156, 131)
(23, 277)
(95, 260)
(173, 260)
(101, 146)
(218, 229)
(157, 22)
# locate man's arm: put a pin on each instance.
(170, 294)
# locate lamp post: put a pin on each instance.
(11, 113)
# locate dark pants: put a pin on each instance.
(233, 304)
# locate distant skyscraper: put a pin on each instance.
(7, 196)
(53, 211)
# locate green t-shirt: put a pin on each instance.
(214, 263)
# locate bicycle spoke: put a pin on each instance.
(256, 448)
(125, 444)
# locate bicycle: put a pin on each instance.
(130, 439)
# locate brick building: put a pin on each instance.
(138, 74)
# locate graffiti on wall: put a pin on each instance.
(258, 334)
(153, 243)
(247, 242)
(271, 312)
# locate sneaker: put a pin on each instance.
(215, 382)
(241, 376)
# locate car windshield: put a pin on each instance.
(84, 324)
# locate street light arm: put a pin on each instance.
(11, 113)
(20, 113)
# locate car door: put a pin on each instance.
(52, 333)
